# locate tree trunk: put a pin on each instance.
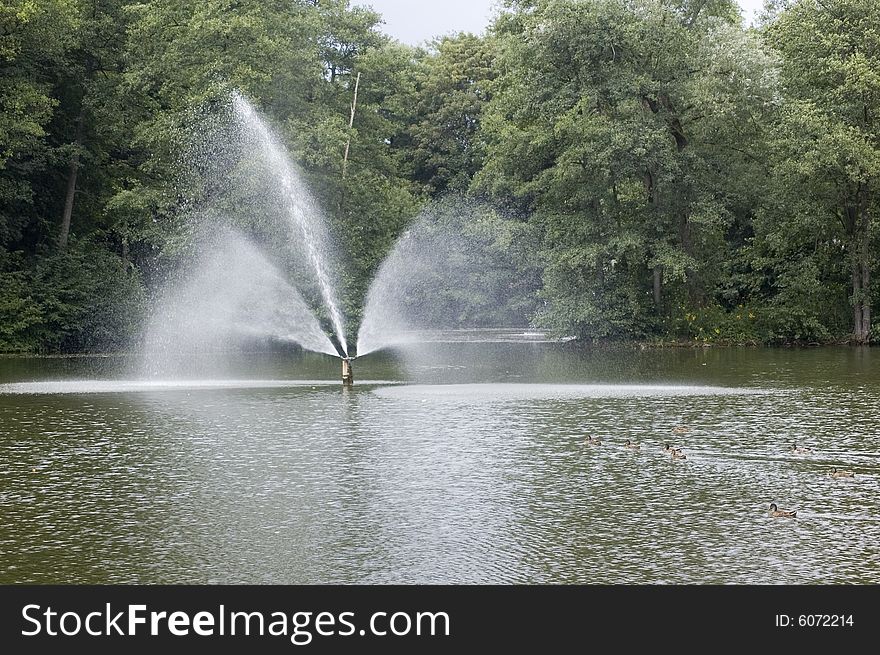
(861, 267)
(71, 183)
(861, 311)
(861, 280)
(354, 103)
(858, 330)
(658, 286)
(866, 302)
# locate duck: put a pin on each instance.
(800, 450)
(841, 474)
(681, 429)
(592, 441)
(675, 452)
(632, 446)
(781, 513)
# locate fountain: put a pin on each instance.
(300, 207)
(451, 269)
(229, 293)
(347, 373)
(256, 255)
(269, 277)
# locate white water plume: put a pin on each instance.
(453, 268)
(230, 296)
(298, 205)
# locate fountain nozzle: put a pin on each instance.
(347, 373)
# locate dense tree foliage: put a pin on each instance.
(826, 153)
(664, 172)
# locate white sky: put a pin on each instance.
(416, 21)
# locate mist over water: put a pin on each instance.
(451, 269)
(230, 296)
(256, 247)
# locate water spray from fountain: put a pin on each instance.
(228, 296)
(451, 269)
(301, 209)
(237, 290)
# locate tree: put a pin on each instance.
(661, 171)
(34, 39)
(828, 145)
(445, 146)
(614, 121)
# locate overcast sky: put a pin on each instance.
(416, 21)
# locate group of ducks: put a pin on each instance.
(676, 453)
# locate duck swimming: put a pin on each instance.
(842, 474)
(631, 445)
(592, 441)
(800, 450)
(675, 452)
(781, 513)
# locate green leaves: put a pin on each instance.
(827, 144)
(453, 84)
(85, 299)
(660, 160)
(597, 122)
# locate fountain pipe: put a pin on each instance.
(347, 373)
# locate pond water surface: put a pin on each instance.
(458, 461)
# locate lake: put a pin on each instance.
(461, 460)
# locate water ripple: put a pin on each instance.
(277, 481)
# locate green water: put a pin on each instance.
(450, 462)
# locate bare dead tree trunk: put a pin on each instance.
(354, 101)
(71, 183)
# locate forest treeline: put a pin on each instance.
(663, 171)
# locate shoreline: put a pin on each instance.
(574, 343)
